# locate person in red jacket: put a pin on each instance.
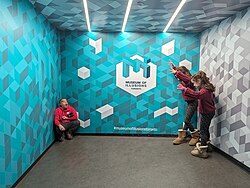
(66, 121)
(206, 108)
(183, 74)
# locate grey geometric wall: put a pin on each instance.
(145, 15)
(225, 55)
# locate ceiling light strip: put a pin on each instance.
(174, 15)
(86, 14)
(126, 15)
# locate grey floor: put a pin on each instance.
(131, 162)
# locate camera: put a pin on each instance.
(70, 114)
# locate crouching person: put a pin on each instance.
(66, 121)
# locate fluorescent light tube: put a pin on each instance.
(86, 14)
(126, 15)
(174, 15)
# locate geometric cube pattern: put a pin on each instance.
(96, 44)
(186, 63)
(225, 55)
(199, 15)
(84, 124)
(145, 15)
(168, 48)
(130, 114)
(83, 72)
(29, 87)
(166, 110)
(105, 111)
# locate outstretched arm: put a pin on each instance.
(183, 77)
(189, 92)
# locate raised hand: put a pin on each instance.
(172, 65)
(173, 71)
(181, 87)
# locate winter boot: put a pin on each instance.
(182, 134)
(195, 137)
(209, 147)
(200, 151)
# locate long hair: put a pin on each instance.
(184, 70)
(204, 80)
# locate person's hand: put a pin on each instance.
(61, 128)
(173, 71)
(181, 87)
(172, 65)
(65, 117)
(173, 68)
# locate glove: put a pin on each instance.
(181, 87)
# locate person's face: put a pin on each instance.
(197, 83)
(64, 103)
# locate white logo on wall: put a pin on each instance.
(136, 75)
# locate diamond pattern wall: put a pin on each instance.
(126, 113)
(145, 15)
(225, 56)
(29, 87)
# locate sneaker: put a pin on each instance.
(60, 139)
(69, 136)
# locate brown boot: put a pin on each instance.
(182, 134)
(195, 137)
(200, 151)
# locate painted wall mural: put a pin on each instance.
(29, 87)
(225, 57)
(120, 82)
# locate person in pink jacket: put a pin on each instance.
(66, 121)
(183, 74)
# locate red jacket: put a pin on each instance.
(60, 112)
(185, 81)
(205, 99)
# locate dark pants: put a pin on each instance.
(70, 128)
(191, 109)
(204, 127)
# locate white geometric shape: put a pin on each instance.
(246, 98)
(168, 48)
(96, 44)
(186, 63)
(148, 83)
(171, 111)
(160, 112)
(236, 96)
(137, 57)
(83, 72)
(105, 111)
(164, 110)
(84, 124)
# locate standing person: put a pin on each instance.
(66, 121)
(206, 108)
(183, 74)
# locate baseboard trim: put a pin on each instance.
(132, 135)
(230, 158)
(33, 164)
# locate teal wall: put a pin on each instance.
(128, 114)
(39, 64)
(29, 87)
